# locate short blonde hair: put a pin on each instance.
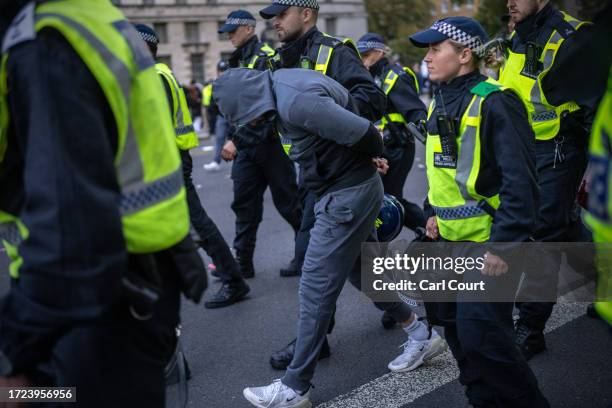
(460, 47)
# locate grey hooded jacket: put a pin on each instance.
(315, 114)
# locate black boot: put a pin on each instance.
(228, 294)
(281, 359)
(245, 262)
(529, 341)
(293, 269)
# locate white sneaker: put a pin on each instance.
(212, 166)
(276, 395)
(417, 352)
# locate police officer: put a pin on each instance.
(593, 45)
(209, 107)
(403, 106)
(221, 128)
(482, 187)
(93, 208)
(259, 160)
(233, 287)
(599, 217)
(542, 35)
(304, 46)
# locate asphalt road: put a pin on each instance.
(229, 348)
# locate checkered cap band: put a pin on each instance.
(369, 45)
(241, 21)
(148, 37)
(299, 3)
(454, 33)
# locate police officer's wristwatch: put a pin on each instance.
(6, 367)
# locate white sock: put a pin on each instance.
(417, 330)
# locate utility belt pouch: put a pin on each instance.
(190, 268)
(395, 134)
(142, 285)
(389, 139)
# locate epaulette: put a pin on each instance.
(330, 41)
(484, 89)
(564, 28)
(398, 69)
(21, 29)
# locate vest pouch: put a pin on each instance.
(142, 285)
(190, 269)
(396, 135)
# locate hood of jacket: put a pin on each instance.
(243, 95)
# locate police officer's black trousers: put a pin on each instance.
(559, 178)
(400, 162)
(481, 338)
(254, 169)
(120, 363)
(211, 239)
(492, 369)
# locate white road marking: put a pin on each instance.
(395, 390)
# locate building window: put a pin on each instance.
(148, 2)
(456, 6)
(181, 2)
(469, 4)
(192, 32)
(197, 67)
(330, 25)
(221, 36)
(162, 32)
(165, 59)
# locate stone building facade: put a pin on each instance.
(189, 42)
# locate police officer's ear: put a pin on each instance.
(309, 15)
(466, 56)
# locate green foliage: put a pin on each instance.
(395, 20)
(489, 15)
